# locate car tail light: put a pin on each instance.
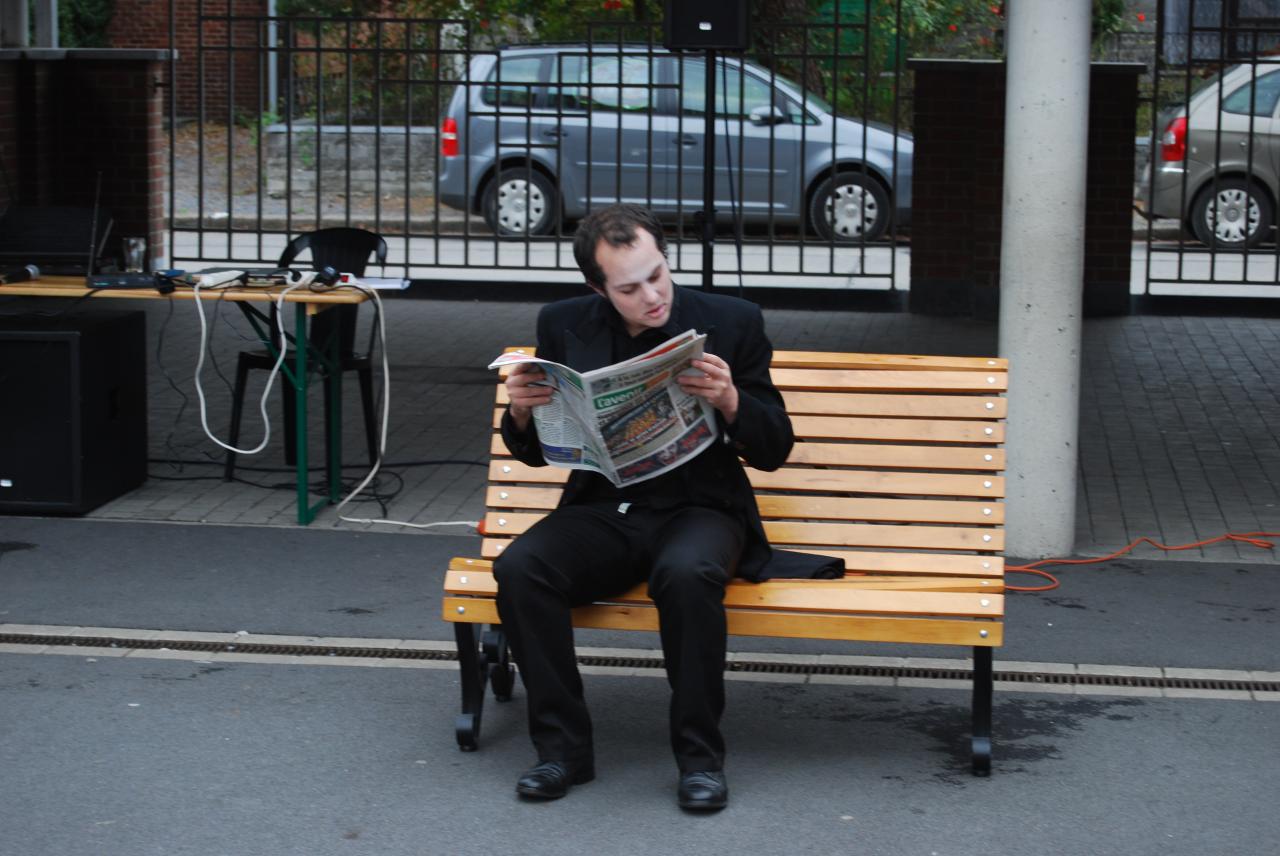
(1173, 145)
(449, 138)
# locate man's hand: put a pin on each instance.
(527, 390)
(711, 379)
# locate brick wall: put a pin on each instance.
(8, 132)
(204, 49)
(957, 188)
(92, 112)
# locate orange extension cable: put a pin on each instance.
(1254, 538)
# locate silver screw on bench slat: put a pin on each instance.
(991, 380)
(986, 484)
(501, 547)
(986, 565)
(986, 582)
(986, 457)
(991, 362)
(986, 537)
(502, 521)
(462, 580)
(986, 511)
(462, 610)
(991, 405)
(503, 494)
(506, 469)
(983, 634)
(988, 431)
(985, 602)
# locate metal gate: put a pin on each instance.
(474, 160)
(1211, 179)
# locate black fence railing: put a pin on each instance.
(467, 157)
(1210, 180)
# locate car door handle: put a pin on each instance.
(686, 141)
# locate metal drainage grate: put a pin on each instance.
(744, 666)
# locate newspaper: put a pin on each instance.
(630, 421)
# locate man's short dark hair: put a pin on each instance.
(617, 225)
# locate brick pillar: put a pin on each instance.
(957, 188)
(85, 113)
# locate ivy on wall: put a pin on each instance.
(83, 23)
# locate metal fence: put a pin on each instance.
(476, 160)
(1210, 181)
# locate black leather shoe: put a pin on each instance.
(703, 791)
(550, 780)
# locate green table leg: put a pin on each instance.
(334, 402)
(305, 512)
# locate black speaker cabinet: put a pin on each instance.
(73, 410)
(699, 25)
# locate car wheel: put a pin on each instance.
(1231, 215)
(520, 202)
(849, 206)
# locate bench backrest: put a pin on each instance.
(896, 468)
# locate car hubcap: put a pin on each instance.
(521, 205)
(852, 210)
(1234, 216)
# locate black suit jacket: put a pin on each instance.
(576, 332)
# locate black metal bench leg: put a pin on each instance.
(502, 674)
(475, 673)
(982, 690)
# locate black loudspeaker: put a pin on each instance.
(73, 410)
(699, 25)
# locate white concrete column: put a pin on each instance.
(1042, 266)
(14, 24)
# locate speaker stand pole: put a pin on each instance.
(709, 177)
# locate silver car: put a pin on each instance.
(543, 133)
(1217, 162)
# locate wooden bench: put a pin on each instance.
(896, 469)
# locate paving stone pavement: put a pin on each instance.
(1179, 434)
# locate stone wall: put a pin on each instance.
(297, 162)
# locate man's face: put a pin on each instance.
(637, 282)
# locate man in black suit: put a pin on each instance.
(686, 533)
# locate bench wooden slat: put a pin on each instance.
(835, 403)
(868, 380)
(845, 595)
(818, 508)
(809, 480)
(837, 427)
(889, 456)
(886, 456)
(509, 470)
(824, 359)
(484, 568)
(921, 430)
(901, 405)
(881, 510)
(515, 523)
(932, 631)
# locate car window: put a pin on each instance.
(614, 82)
(509, 74)
(1244, 100)
(736, 95)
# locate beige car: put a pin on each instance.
(1217, 161)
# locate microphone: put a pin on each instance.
(18, 274)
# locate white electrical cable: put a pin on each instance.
(382, 439)
(262, 403)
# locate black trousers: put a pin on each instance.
(582, 553)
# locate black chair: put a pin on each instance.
(346, 251)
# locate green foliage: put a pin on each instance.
(83, 23)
